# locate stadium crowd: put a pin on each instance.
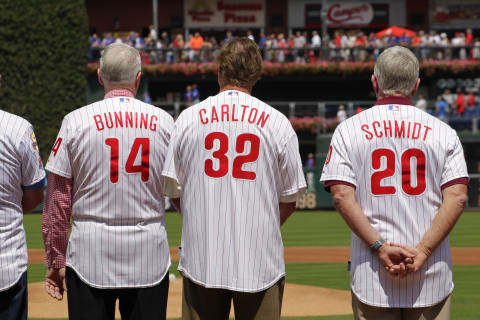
(300, 47)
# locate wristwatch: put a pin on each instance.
(377, 244)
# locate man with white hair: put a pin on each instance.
(105, 175)
(398, 177)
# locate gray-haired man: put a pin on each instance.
(398, 178)
(105, 174)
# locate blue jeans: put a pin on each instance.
(14, 301)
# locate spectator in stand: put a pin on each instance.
(310, 163)
(107, 39)
(178, 44)
(476, 49)
(281, 44)
(421, 103)
(460, 103)
(449, 99)
(250, 35)
(262, 41)
(299, 44)
(196, 43)
(469, 37)
(341, 114)
(316, 43)
(195, 94)
(290, 45)
(153, 32)
(441, 108)
(228, 37)
(358, 110)
(471, 99)
(146, 98)
(188, 95)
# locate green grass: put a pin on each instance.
(328, 275)
(465, 233)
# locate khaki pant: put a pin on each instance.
(200, 303)
(439, 311)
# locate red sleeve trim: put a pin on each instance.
(330, 183)
(463, 180)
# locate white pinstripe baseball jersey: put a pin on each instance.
(235, 157)
(21, 168)
(114, 150)
(398, 158)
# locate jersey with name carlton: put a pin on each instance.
(398, 158)
(114, 150)
(235, 157)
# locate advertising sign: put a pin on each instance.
(455, 13)
(224, 13)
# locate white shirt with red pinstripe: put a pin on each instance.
(398, 158)
(114, 151)
(235, 158)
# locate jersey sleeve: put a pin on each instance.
(291, 171)
(338, 166)
(59, 161)
(171, 167)
(33, 174)
(455, 165)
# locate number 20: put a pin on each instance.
(238, 162)
(377, 189)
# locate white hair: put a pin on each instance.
(396, 71)
(120, 63)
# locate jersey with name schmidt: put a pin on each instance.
(114, 150)
(235, 158)
(398, 158)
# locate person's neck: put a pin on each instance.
(396, 95)
(120, 87)
(227, 87)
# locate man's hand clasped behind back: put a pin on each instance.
(400, 260)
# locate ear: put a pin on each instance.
(374, 84)
(99, 77)
(137, 80)
(416, 87)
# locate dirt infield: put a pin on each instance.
(299, 300)
(460, 256)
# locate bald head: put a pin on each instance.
(120, 64)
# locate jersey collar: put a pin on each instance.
(394, 100)
(118, 93)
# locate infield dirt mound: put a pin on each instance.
(299, 300)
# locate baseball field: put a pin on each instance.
(316, 253)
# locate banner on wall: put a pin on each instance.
(348, 14)
(224, 13)
(455, 13)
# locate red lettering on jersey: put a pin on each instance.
(263, 119)
(109, 125)
(233, 114)
(416, 130)
(387, 128)
(129, 119)
(244, 109)
(56, 146)
(225, 112)
(118, 119)
(408, 131)
(98, 122)
(201, 117)
(214, 114)
(376, 123)
(426, 131)
(399, 131)
(136, 120)
(153, 123)
(143, 120)
(369, 135)
(250, 120)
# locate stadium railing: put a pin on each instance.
(312, 54)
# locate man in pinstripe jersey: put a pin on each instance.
(399, 178)
(22, 180)
(237, 162)
(105, 174)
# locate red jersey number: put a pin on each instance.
(238, 162)
(377, 177)
(130, 167)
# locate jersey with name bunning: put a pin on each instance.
(114, 150)
(398, 158)
(21, 167)
(235, 158)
